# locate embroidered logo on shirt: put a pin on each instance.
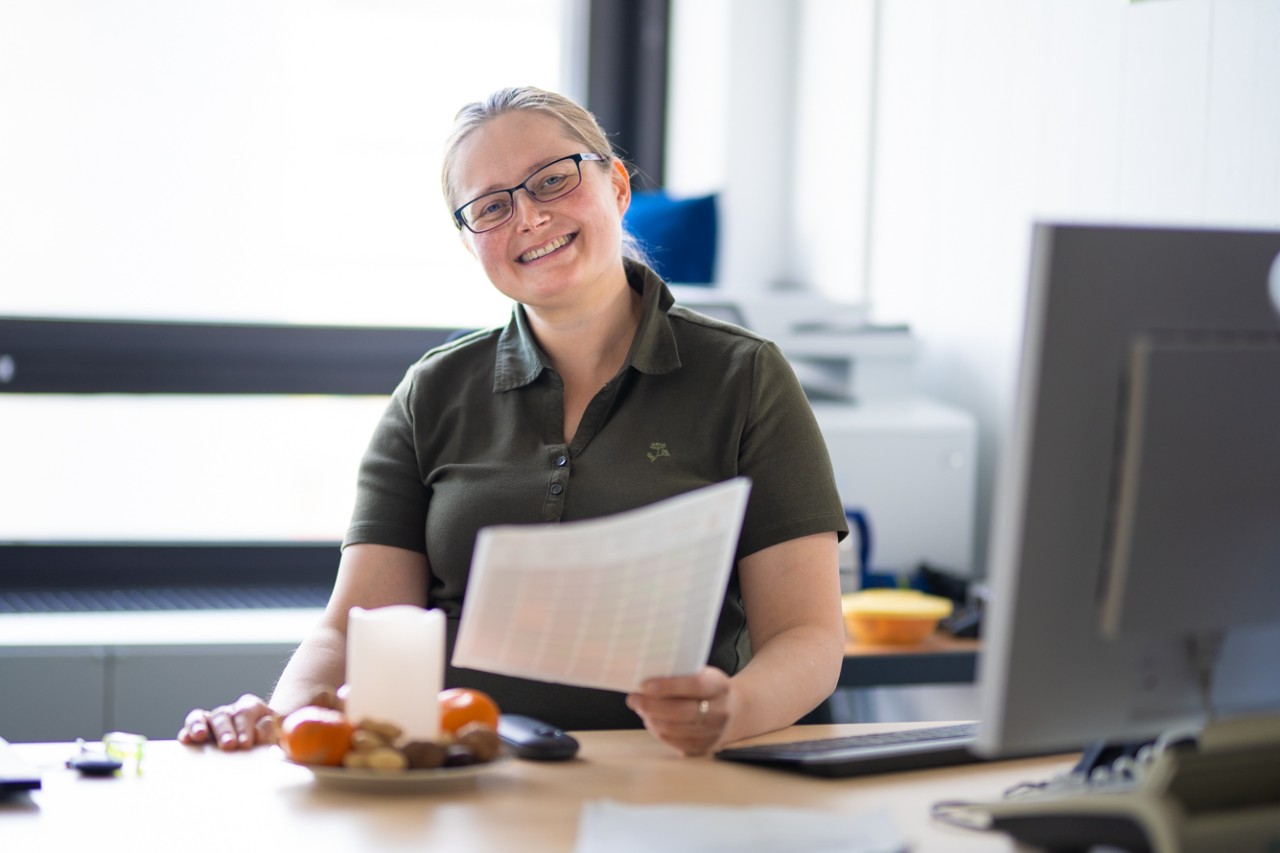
(658, 448)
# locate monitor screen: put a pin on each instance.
(1148, 382)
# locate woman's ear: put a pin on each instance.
(622, 185)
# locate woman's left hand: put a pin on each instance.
(688, 712)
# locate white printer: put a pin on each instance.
(907, 462)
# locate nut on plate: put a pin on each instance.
(482, 740)
(424, 754)
(459, 755)
(388, 731)
(363, 740)
(380, 758)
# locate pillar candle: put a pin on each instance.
(395, 668)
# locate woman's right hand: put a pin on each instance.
(244, 724)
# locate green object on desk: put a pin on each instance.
(126, 748)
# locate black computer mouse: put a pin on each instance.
(534, 740)
(94, 765)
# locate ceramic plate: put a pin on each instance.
(441, 778)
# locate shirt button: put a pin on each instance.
(556, 488)
(562, 461)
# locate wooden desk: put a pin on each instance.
(193, 799)
(940, 659)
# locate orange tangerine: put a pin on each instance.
(462, 705)
(315, 735)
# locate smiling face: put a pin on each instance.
(552, 255)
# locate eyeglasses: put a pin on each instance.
(552, 181)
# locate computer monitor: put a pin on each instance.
(1136, 529)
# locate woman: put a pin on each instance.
(599, 395)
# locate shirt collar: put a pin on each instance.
(520, 360)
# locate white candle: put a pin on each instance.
(395, 668)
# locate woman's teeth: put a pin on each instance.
(539, 252)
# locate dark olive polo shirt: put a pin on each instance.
(474, 436)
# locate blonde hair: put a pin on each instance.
(580, 125)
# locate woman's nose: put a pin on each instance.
(527, 212)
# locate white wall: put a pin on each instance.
(731, 104)
(768, 100)
(988, 115)
(996, 113)
(831, 146)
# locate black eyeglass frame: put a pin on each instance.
(523, 185)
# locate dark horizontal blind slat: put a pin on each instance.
(100, 600)
(71, 356)
(143, 564)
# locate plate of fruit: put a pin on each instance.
(374, 755)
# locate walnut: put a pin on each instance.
(424, 754)
(483, 741)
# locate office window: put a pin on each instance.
(127, 431)
(178, 468)
(262, 160)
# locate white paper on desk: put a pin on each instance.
(606, 602)
(611, 827)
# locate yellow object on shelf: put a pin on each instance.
(892, 616)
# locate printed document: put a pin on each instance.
(606, 602)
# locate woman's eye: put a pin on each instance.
(550, 183)
(491, 208)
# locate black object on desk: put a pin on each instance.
(534, 740)
(93, 761)
(863, 755)
(16, 774)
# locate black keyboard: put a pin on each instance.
(860, 755)
(163, 598)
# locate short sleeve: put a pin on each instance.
(793, 490)
(391, 502)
